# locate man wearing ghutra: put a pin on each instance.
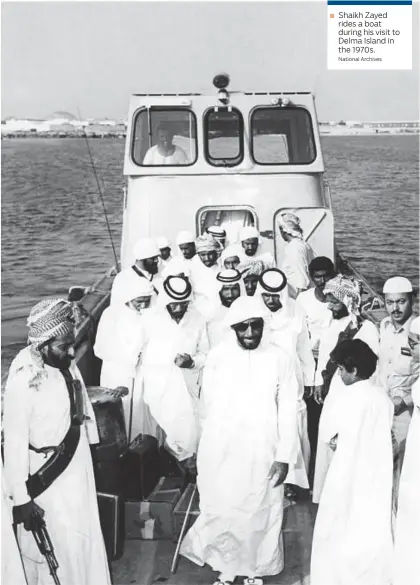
(298, 254)
(173, 354)
(343, 298)
(288, 330)
(48, 423)
(119, 341)
(218, 234)
(231, 287)
(252, 246)
(205, 268)
(248, 437)
(146, 265)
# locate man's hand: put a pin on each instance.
(119, 392)
(27, 514)
(184, 360)
(308, 391)
(399, 405)
(278, 472)
(319, 394)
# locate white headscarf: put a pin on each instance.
(245, 308)
(274, 279)
(185, 237)
(248, 232)
(290, 224)
(231, 251)
(128, 286)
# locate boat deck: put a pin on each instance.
(149, 562)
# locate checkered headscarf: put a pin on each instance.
(347, 291)
(48, 319)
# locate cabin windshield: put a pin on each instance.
(282, 136)
(223, 130)
(165, 137)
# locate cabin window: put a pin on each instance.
(164, 137)
(223, 137)
(230, 217)
(282, 136)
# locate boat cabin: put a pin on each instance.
(230, 159)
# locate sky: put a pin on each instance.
(91, 56)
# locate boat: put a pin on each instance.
(249, 156)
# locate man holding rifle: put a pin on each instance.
(48, 424)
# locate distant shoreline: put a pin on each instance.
(121, 136)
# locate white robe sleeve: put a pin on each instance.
(287, 400)
(202, 350)
(295, 267)
(16, 423)
(206, 394)
(305, 355)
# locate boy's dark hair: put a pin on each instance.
(355, 353)
(321, 263)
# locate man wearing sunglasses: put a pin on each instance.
(248, 410)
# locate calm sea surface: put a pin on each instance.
(54, 233)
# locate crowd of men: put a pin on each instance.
(265, 381)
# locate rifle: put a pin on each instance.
(43, 541)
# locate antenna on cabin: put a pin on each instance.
(92, 163)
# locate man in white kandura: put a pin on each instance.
(205, 268)
(165, 152)
(288, 331)
(407, 532)
(248, 437)
(174, 352)
(48, 424)
(231, 287)
(343, 298)
(119, 342)
(298, 254)
(352, 542)
(146, 265)
(253, 248)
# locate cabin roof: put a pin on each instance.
(231, 92)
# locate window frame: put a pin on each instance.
(238, 159)
(138, 112)
(279, 164)
(233, 207)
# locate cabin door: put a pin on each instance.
(318, 230)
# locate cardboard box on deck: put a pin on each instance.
(152, 519)
(181, 508)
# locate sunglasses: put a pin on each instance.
(255, 325)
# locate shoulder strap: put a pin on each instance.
(140, 273)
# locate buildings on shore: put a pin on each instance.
(65, 125)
